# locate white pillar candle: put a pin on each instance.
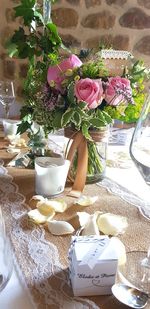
(50, 175)
(10, 126)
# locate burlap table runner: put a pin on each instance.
(42, 257)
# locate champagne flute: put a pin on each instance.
(7, 95)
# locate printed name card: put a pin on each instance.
(93, 265)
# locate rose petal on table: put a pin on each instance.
(91, 227)
(17, 141)
(59, 205)
(12, 149)
(83, 217)
(35, 199)
(86, 200)
(111, 224)
(60, 227)
(45, 208)
(36, 216)
(121, 251)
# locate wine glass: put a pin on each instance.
(7, 95)
(140, 154)
(6, 259)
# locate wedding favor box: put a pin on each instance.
(93, 265)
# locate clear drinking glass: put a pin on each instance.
(7, 95)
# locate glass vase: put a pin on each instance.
(97, 154)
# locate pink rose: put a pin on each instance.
(117, 90)
(56, 72)
(89, 91)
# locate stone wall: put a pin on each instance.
(124, 24)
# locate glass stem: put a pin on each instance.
(148, 257)
(6, 107)
(146, 260)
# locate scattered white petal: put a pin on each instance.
(111, 224)
(58, 206)
(121, 251)
(83, 217)
(91, 227)
(86, 200)
(45, 208)
(36, 216)
(35, 199)
(60, 227)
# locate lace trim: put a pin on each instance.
(124, 193)
(36, 259)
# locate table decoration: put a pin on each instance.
(93, 265)
(84, 93)
(10, 126)
(50, 175)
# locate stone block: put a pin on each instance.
(6, 33)
(65, 17)
(116, 2)
(135, 18)
(23, 70)
(9, 68)
(145, 3)
(116, 42)
(101, 20)
(74, 2)
(10, 15)
(70, 41)
(19, 91)
(143, 45)
(92, 3)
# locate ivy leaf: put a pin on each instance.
(26, 10)
(53, 36)
(97, 123)
(19, 36)
(57, 119)
(107, 117)
(82, 104)
(23, 127)
(66, 118)
(12, 49)
(85, 132)
(70, 93)
(83, 115)
(76, 119)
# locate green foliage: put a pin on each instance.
(39, 42)
(94, 69)
(33, 42)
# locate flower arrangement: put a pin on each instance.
(76, 91)
(82, 94)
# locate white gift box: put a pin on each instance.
(93, 265)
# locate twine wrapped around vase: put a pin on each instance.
(80, 144)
